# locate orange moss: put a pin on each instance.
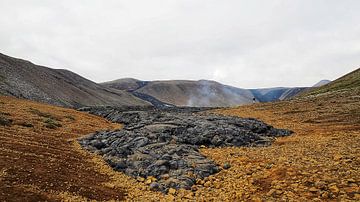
(319, 162)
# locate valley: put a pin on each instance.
(201, 93)
(320, 161)
(179, 101)
(128, 144)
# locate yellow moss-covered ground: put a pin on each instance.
(38, 163)
(320, 161)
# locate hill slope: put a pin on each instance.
(127, 84)
(350, 81)
(202, 93)
(24, 79)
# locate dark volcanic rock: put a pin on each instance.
(157, 103)
(165, 142)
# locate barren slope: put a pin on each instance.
(24, 79)
(197, 93)
(127, 84)
(202, 93)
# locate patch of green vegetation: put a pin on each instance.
(226, 165)
(51, 123)
(70, 117)
(5, 121)
(43, 114)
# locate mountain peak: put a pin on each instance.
(321, 83)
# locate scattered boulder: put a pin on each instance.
(5, 121)
(227, 166)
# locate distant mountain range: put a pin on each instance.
(23, 79)
(202, 93)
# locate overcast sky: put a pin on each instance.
(252, 43)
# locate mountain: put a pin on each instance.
(23, 79)
(202, 93)
(321, 83)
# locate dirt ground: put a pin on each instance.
(40, 159)
(320, 162)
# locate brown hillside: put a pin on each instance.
(23, 79)
(201, 93)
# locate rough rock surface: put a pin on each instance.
(162, 145)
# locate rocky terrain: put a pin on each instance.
(23, 79)
(164, 144)
(42, 160)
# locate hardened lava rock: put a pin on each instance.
(165, 143)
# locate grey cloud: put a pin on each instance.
(242, 43)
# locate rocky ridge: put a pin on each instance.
(161, 147)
